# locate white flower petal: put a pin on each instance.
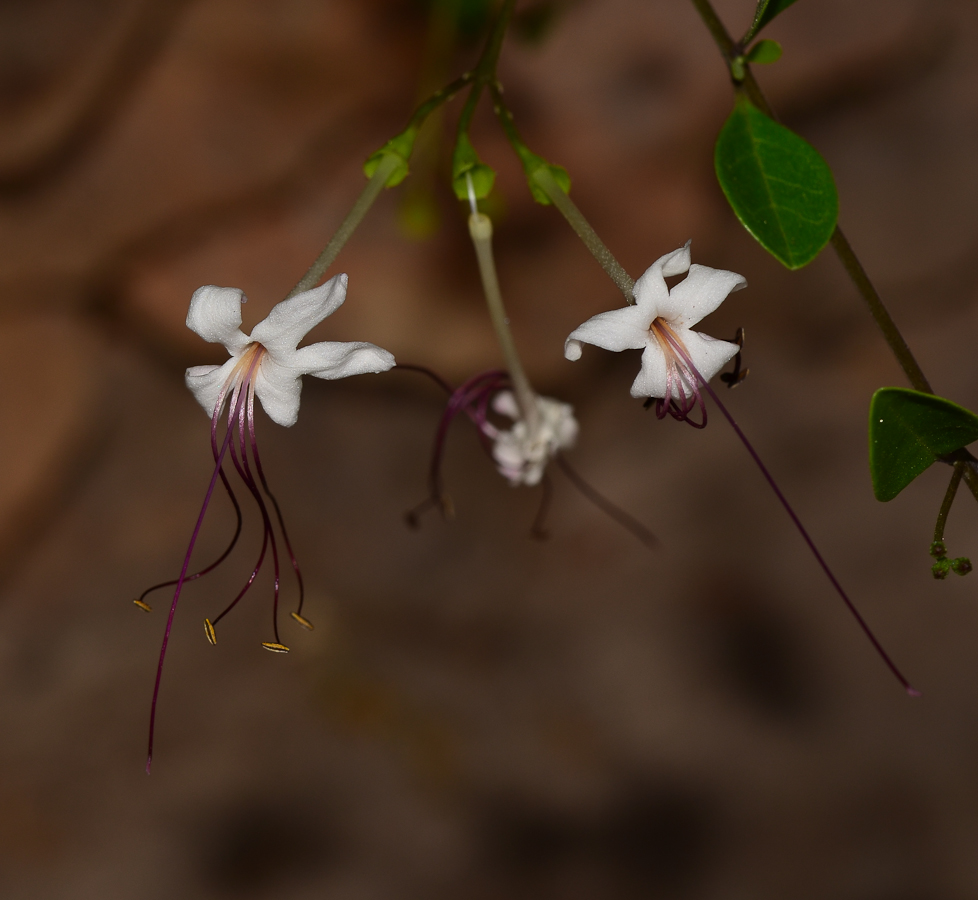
(206, 382)
(290, 321)
(215, 314)
(701, 292)
(651, 290)
(504, 403)
(708, 354)
(652, 377)
(675, 263)
(617, 329)
(522, 455)
(278, 388)
(339, 359)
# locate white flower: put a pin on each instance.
(521, 454)
(215, 314)
(660, 316)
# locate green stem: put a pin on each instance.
(898, 346)
(372, 190)
(891, 334)
(480, 228)
(438, 98)
(599, 250)
(347, 226)
(485, 69)
(952, 489)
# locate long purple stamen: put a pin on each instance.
(222, 557)
(186, 565)
(677, 346)
(471, 398)
(271, 496)
(244, 470)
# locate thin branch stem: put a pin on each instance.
(952, 489)
(353, 218)
(575, 218)
(480, 228)
(891, 334)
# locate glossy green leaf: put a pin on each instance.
(766, 10)
(764, 52)
(778, 185)
(908, 432)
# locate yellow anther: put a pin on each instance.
(209, 631)
(275, 648)
(304, 622)
(143, 606)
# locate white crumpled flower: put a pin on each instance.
(522, 453)
(276, 374)
(660, 317)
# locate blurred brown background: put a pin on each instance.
(477, 714)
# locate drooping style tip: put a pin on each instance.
(913, 692)
(149, 764)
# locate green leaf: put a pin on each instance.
(777, 184)
(908, 432)
(766, 10)
(764, 52)
(400, 149)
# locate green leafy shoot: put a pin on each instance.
(908, 432)
(777, 184)
(766, 10)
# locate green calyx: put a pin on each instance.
(397, 151)
(534, 165)
(466, 162)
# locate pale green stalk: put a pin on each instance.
(480, 228)
(585, 232)
(353, 218)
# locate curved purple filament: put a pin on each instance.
(677, 346)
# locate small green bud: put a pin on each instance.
(764, 52)
(400, 148)
(940, 569)
(737, 69)
(465, 161)
(961, 565)
(938, 549)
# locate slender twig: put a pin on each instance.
(353, 218)
(575, 218)
(891, 334)
(952, 489)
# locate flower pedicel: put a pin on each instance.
(268, 364)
